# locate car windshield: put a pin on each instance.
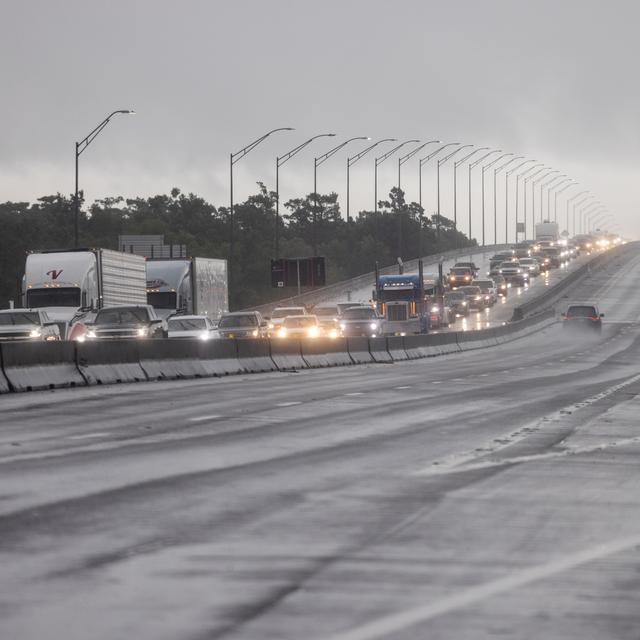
(326, 311)
(509, 264)
(19, 317)
(461, 271)
(247, 320)
(300, 322)
(187, 324)
(287, 311)
(582, 311)
(363, 313)
(132, 315)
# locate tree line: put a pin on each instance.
(399, 229)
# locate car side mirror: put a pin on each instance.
(602, 315)
(156, 321)
(50, 324)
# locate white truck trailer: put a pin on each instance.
(193, 286)
(547, 231)
(65, 282)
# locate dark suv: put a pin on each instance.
(125, 321)
(583, 316)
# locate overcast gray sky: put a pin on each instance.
(555, 81)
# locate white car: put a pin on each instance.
(201, 327)
(302, 326)
(27, 324)
(280, 313)
(489, 291)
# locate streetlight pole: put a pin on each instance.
(279, 162)
(440, 162)
(320, 160)
(534, 183)
(569, 201)
(377, 163)
(80, 147)
(572, 183)
(456, 164)
(553, 188)
(506, 189)
(542, 186)
(421, 164)
(410, 155)
(518, 176)
(496, 171)
(484, 170)
(472, 165)
(351, 161)
(579, 205)
(533, 198)
(233, 158)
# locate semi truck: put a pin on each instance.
(547, 231)
(192, 286)
(66, 282)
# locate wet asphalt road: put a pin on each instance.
(488, 494)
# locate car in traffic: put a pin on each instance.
(460, 276)
(512, 272)
(361, 321)
(532, 264)
(123, 322)
(467, 265)
(304, 326)
(27, 324)
(582, 316)
(242, 324)
(475, 298)
(502, 286)
(200, 327)
(457, 302)
(488, 288)
(280, 313)
(552, 256)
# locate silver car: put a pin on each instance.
(27, 324)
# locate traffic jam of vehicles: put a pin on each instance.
(100, 294)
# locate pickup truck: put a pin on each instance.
(27, 324)
(124, 321)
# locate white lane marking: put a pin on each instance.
(483, 375)
(203, 418)
(436, 382)
(87, 436)
(287, 404)
(355, 393)
(395, 622)
(405, 387)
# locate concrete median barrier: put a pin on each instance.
(440, 344)
(378, 350)
(326, 352)
(254, 355)
(395, 347)
(358, 349)
(4, 383)
(173, 359)
(109, 361)
(32, 366)
(415, 346)
(287, 353)
(220, 357)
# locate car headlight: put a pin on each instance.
(487, 297)
(271, 325)
(467, 278)
(282, 332)
(205, 335)
(343, 326)
(35, 333)
(312, 332)
(91, 334)
(333, 333)
(464, 303)
(435, 309)
(373, 326)
(478, 297)
(255, 333)
(142, 332)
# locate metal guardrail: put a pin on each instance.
(342, 288)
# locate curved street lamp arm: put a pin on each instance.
(382, 158)
(436, 152)
(410, 155)
(353, 159)
(571, 184)
(324, 157)
(87, 140)
(582, 193)
(457, 163)
(484, 157)
(441, 161)
(488, 166)
(552, 180)
(506, 164)
(250, 147)
(546, 175)
(533, 175)
(287, 156)
(519, 166)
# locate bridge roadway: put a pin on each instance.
(493, 493)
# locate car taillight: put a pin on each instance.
(594, 317)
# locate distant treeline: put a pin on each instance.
(350, 248)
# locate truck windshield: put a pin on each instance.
(162, 299)
(19, 317)
(54, 297)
